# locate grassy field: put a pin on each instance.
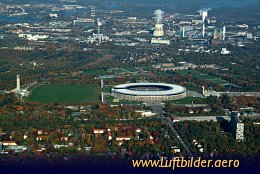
(132, 69)
(189, 100)
(65, 94)
(115, 71)
(3, 117)
(96, 72)
(205, 77)
(119, 71)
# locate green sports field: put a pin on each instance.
(65, 94)
(205, 77)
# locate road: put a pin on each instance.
(158, 109)
(194, 94)
(205, 118)
(180, 139)
(26, 87)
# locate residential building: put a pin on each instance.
(237, 126)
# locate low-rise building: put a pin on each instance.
(160, 41)
(137, 130)
(145, 113)
(224, 51)
(9, 143)
(97, 132)
(176, 149)
(121, 140)
(175, 119)
(127, 138)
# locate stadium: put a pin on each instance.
(149, 92)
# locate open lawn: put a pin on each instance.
(205, 77)
(132, 69)
(3, 117)
(65, 94)
(119, 71)
(189, 72)
(96, 72)
(189, 100)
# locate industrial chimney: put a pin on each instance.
(224, 32)
(18, 84)
(158, 30)
(204, 13)
(183, 31)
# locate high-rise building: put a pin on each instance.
(1, 146)
(237, 126)
(215, 36)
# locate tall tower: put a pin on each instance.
(224, 32)
(99, 23)
(204, 15)
(102, 97)
(183, 31)
(102, 83)
(18, 84)
(203, 30)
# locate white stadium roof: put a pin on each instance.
(173, 89)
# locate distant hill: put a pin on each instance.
(146, 7)
(176, 2)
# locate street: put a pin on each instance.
(158, 109)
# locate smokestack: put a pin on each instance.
(224, 32)
(203, 30)
(99, 24)
(18, 84)
(183, 31)
(204, 14)
(215, 34)
(102, 84)
(158, 29)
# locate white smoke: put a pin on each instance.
(204, 13)
(99, 22)
(158, 16)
